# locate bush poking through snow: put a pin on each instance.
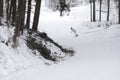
(41, 43)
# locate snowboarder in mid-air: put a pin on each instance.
(63, 7)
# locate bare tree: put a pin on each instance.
(119, 12)
(36, 15)
(94, 11)
(13, 4)
(18, 23)
(108, 12)
(91, 11)
(23, 16)
(100, 10)
(28, 14)
(1, 10)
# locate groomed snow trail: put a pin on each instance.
(97, 50)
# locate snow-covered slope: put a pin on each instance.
(32, 48)
(12, 60)
(97, 49)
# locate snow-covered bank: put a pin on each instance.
(97, 48)
(12, 60)
(32, 48)
(93, 61)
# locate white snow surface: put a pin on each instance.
(97, 49)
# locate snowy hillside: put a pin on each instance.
(96, 45)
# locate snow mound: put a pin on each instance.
(13, 60)
(45, 46)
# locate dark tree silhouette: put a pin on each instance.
(18, 23)
(91, 9)
(36, 15)
(28, 14)
(1, 10)
(108, 12)
(94, 11)
(13, 4)
(119, 12)
(100, 10)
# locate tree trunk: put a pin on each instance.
(18, 21)
(119, 13)
(13, 12)
(23, 16)
(8, 11)
(91, 13)
(100, 10)
(1, 10)
(28, 14)
(94, 11)
(108, 10)
(36, 15)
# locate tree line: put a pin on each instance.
(52, 4)
(93, 10)
(18, 14)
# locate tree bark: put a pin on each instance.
(36, 15)
(100, 10)
(13, 3)
(28, 14)
(1, 10)
(18, 24)
(94, 11)
(119, 13)
(108, 12)
(23, 16)
(91, 13)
